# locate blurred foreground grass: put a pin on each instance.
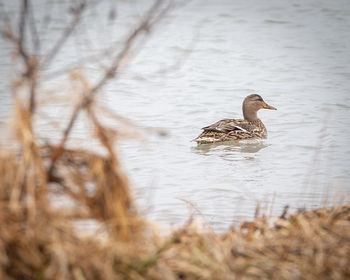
(39, 240)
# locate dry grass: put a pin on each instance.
(39, 240)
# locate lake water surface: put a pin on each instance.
(195, 69)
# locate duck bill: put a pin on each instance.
(266, 106)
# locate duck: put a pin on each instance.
(250, 127)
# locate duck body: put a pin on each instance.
(251, 127)
(232, 130)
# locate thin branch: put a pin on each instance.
(21, 30)
(145, 26)
(103, 54)
(149, 21)
(30, 62)
(22, 20)
(33, 84)
(34, 31)
(66, 132)
(65, 35)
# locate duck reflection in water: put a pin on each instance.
(248, 147)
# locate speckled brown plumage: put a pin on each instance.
(250, 127)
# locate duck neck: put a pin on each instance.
(250, 115)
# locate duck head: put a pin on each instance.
(252, 104)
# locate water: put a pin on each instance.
(196, 69)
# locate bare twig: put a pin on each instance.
(150, 20)
(30, 62)
(33, 30)
(21, 30)
(77, 12)
(146, 24)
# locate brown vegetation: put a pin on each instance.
(40, 241)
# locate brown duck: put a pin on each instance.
(230, 129)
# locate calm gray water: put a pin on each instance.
(296, 54)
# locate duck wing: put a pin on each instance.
(228, 125)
